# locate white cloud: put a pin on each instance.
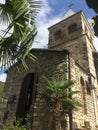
(53, 2)
(3, 77)
(44, 10)
(43, 23)
(42, 36)
(2, 1)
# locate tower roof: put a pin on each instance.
(69, 13)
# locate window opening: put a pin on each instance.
(57, 35)
(72, 28)
(82, 85)
(27, 95)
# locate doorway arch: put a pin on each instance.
(27, 95)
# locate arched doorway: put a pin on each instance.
(27, 95)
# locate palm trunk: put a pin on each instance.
(70, 121)
(56, 116)
(57, 124)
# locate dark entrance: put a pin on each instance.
(27, 95)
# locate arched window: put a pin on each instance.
(82, 86)
(72, 28)
(27, 95)
(82, 81)
(57, 35)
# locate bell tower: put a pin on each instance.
(74, 33)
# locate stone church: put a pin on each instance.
(70, 55)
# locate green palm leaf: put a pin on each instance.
(59, 90)
(20, 17)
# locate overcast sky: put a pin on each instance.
(53, 11)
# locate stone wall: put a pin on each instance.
(87, 114)
(48, 63)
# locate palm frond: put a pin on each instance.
(59, 90)
(71, 104)
(5, 13)
(21, 25)
(73, 92)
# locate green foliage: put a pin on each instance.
(95, 24)
(58, 95)
(17, 126)
(59, 90)
(17, 39)
(94, 5)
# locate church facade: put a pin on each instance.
(70, 55)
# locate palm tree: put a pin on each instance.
(17, 39)
(57, 95)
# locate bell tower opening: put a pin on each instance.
(72, 28)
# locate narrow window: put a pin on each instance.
(88, 89)
(27, 95)
(57, 35)
(82, 85)
(72, 28)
